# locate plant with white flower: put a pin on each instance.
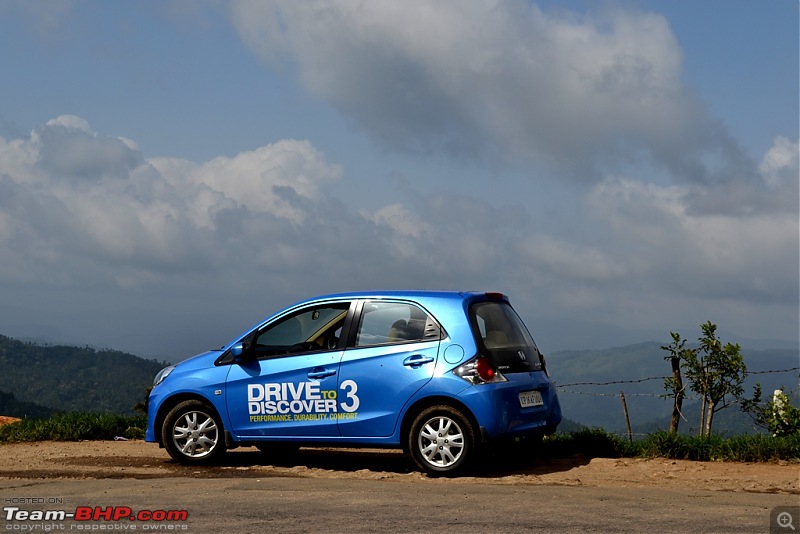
(778, 415)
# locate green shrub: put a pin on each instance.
(755, 448)
(75, 426)
(598, 443)
(777, 415)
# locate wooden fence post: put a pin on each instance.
(627, 419)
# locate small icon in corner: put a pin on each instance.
(783, 519)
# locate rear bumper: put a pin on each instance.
(500, 416)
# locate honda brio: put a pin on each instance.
(439, 374)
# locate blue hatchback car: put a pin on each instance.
(440, 374)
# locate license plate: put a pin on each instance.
(530, 398)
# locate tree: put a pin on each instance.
(716, 373)
(674, 385)
(141, 407)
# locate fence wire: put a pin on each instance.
(640, 380)
(597, 394)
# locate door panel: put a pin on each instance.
(290, 396)
(393, 355)
(285, 382)
(379, 381)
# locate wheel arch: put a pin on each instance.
(173, 401)
(438, 400)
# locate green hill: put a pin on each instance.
(10, 406)
(65, 378)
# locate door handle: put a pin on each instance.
(417, 360)
(321, 372)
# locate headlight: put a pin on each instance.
(162, 374)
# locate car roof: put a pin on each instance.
(398, 293)
(419, 295)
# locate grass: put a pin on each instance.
(598, 443)
(75, 426)
(592, 442)
(755, 448)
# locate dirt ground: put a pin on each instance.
(140, 460)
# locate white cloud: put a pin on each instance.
(77, 196)
(503, 80)
(742, 257)
(579, 263)
(71, 122)
(781, 163)
(251, 178)
(399, 219)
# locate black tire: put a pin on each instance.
(193, 434)
(442, 441)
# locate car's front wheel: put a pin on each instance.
(441, 441)
(192, 433)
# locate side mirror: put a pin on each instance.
(240, 351)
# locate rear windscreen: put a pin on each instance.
(503, 338)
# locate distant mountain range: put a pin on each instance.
(37, 379)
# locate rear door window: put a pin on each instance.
(394, 322)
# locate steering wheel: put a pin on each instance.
(332, 342)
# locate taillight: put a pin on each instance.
(544, 364)
(479, 370)
(485, 370)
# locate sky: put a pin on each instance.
(172, 172)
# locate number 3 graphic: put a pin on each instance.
(353, 387)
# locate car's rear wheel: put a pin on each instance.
(192, 433)
(441, 441)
